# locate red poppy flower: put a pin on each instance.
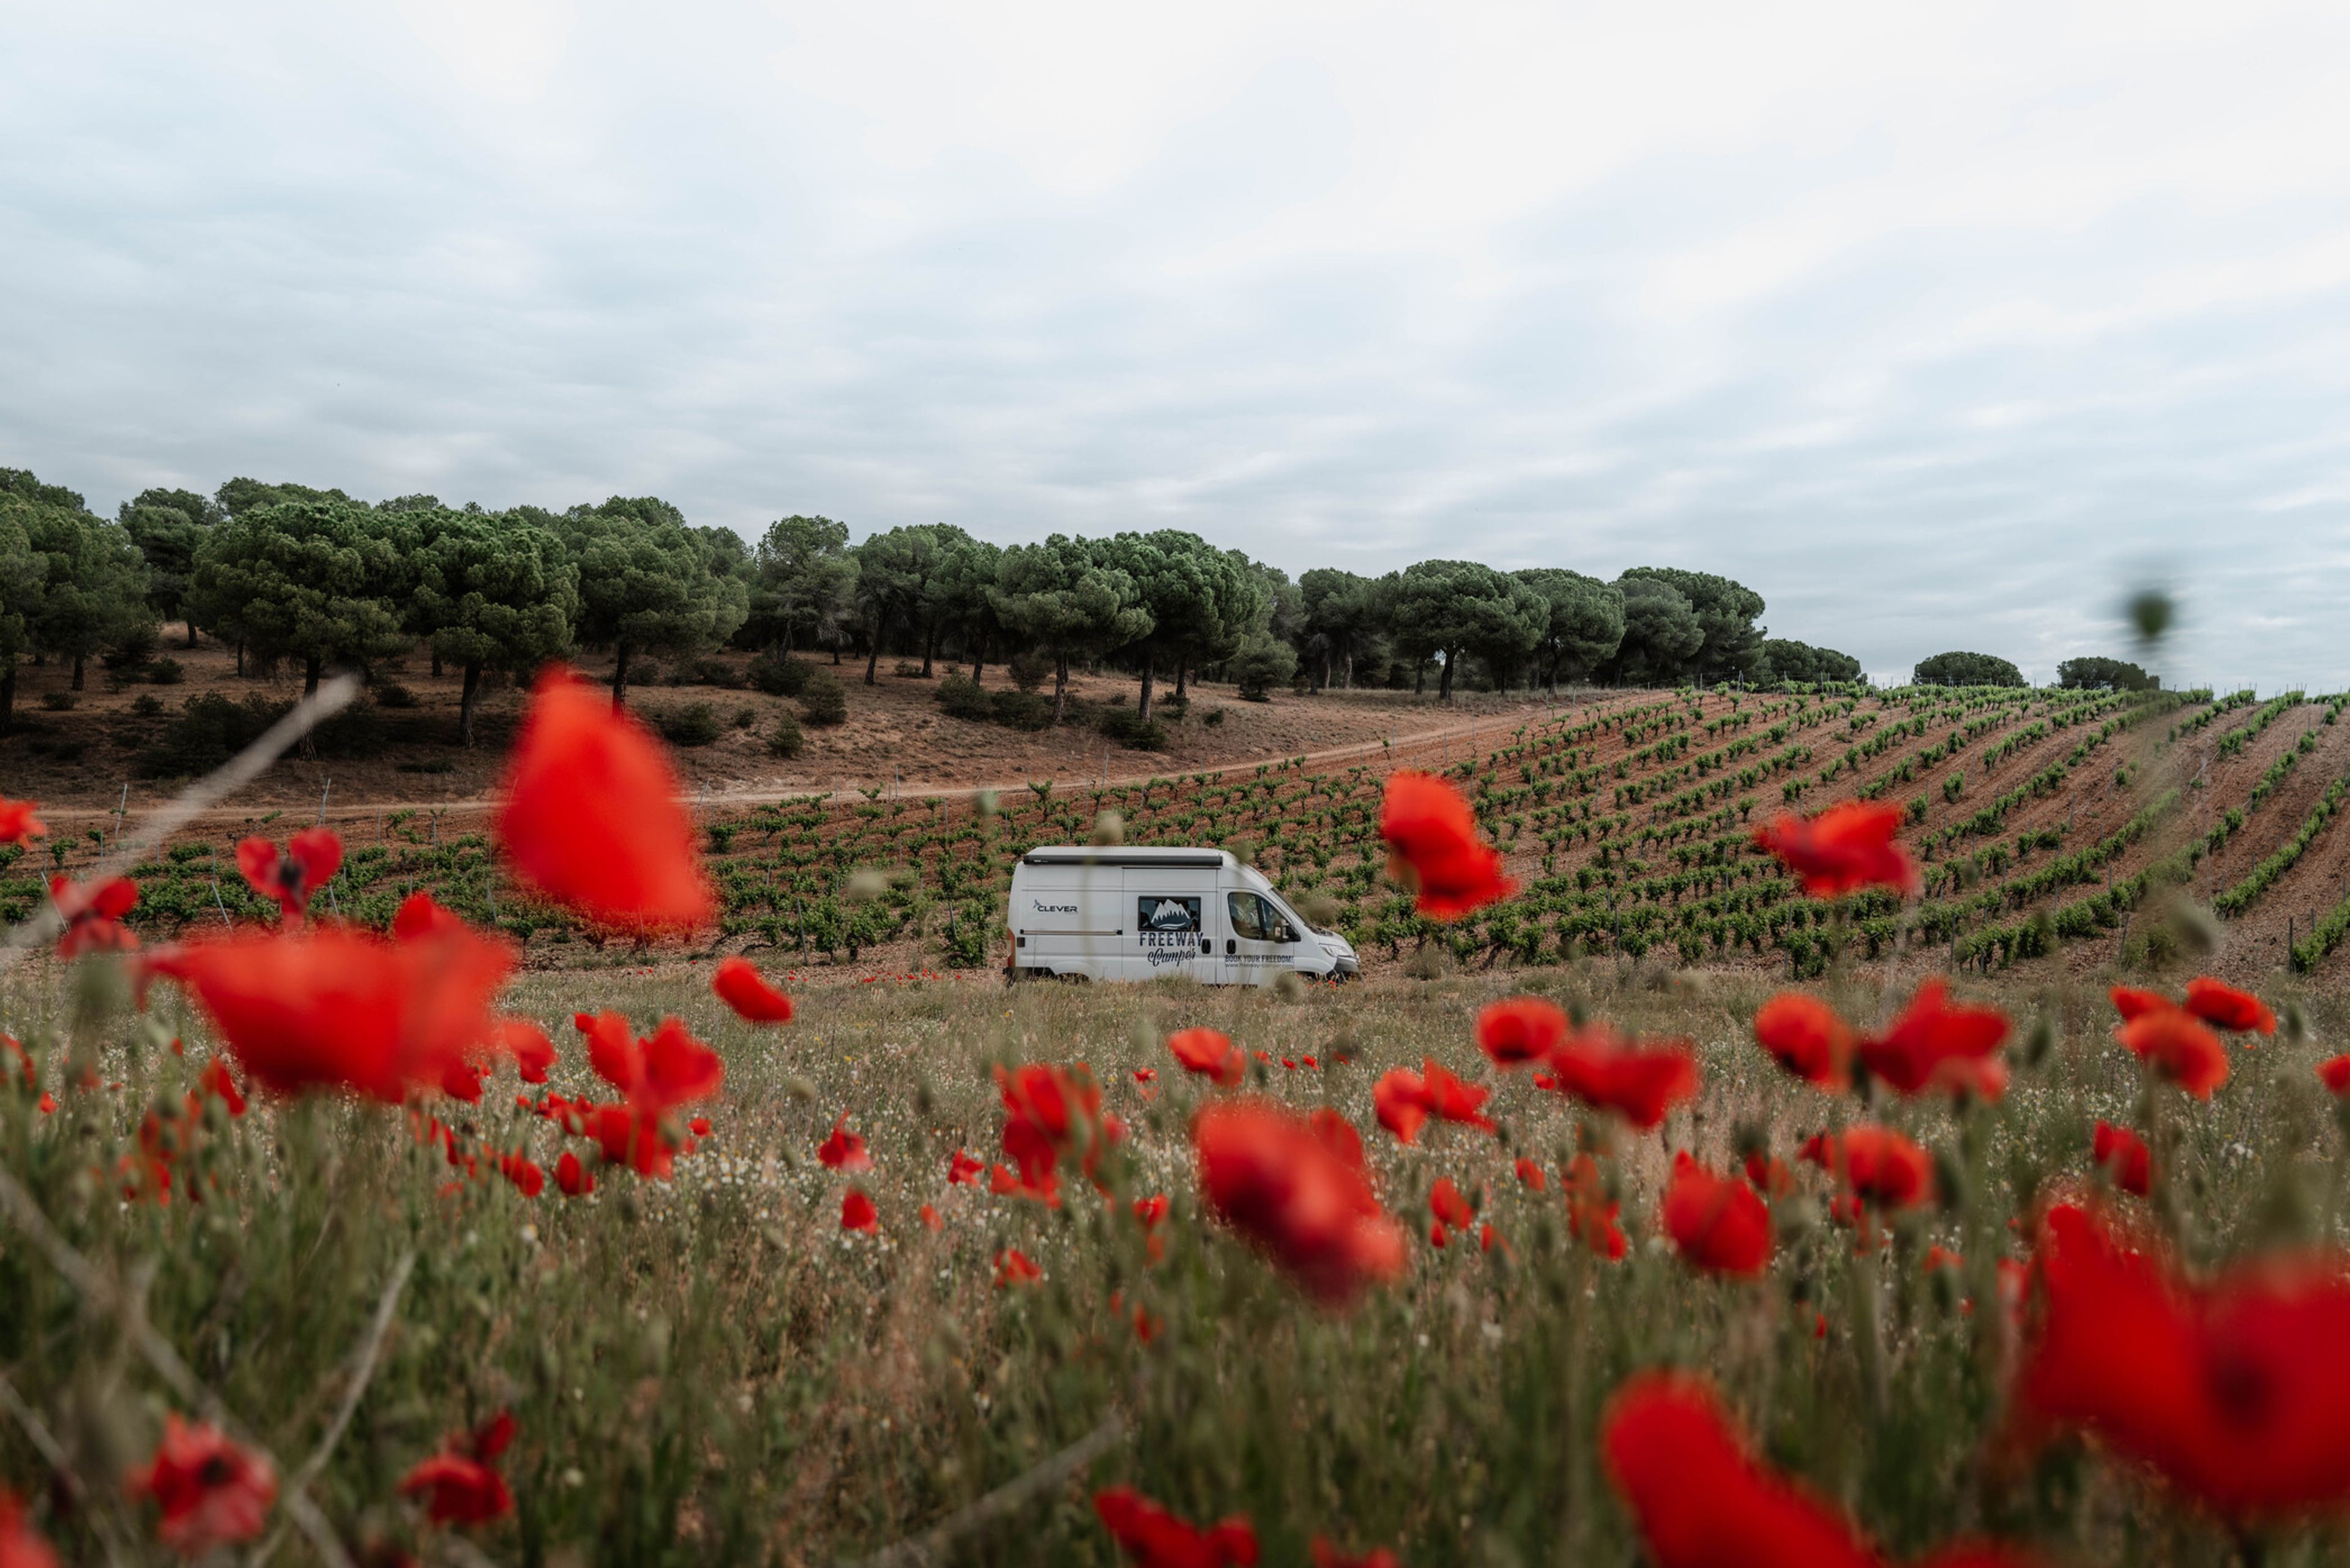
(1591, 1213)
(1326, 1554)
(533, 1053)
(216, 1082)
(2180, 1047)
(1150, 1210)
(460, 1482)
(1936, 1045)
(1531, 1174)
(1146, 1075)
(1611, 1075)
(858, 1213)
(1877, 1165)
(2334, 1073)
(1211, 1054)
(930, 1219)
(211, 1492)
(18, 826)
(741, 987)
(1521, 1029)
(1433, 848)
(1277, 1180)
(1848, 847)
(528, 1178)
(1716, 1222)
(1804, 1035)
(588, 814)
(2230, 1389)
(1013, 1268)
(2131, 1002)
(1445, 1201)
(1400, 1100)
(1452, 1099)
(1156, 1539)
(844, 1150)
(2125, 1157)
(572, 1178)
(92, 912)
(309, 863)
(21, 1546)
(1050, 1113)
(334, 1008)
(657, 1075)
(1337, 1135)
(2224, 1007)
(963, 1170)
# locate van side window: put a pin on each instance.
(1255, 920)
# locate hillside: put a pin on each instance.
(2046, 823)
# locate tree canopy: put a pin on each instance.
(492, 591)
(1585, 625)
(1965, 669)
(1786, 660)
(2118, 673)
(648, 583)
(1725, 611)
(1452, 607)
(321, 582)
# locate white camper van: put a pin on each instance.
(1138, 914)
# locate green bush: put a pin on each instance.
(1022, 710)
(1030, 671)
(778, 675)
(146, 705)
(209, 730)
(1213, 717)
(785, 739)
(824, 700)
(717, 672)
(59, 702)
(1262, 664)
(964, 698)
(1130, 730)
(695, 724)
(392, 694)
(166, 671)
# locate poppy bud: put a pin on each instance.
(1945, 1285)
(1950, 1179)
(1748, 1139)
(2039, 1043)
(925, 1102)
(632, 1208)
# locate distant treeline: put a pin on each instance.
(317, 579)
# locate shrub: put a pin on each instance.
(1262, 664)
(1130, 730)
(717, 672)
(1212, 717)
(908, 670)
(778, 675)
(1030, 671)
(209, 728)
(964, 698)
(695, 724)
(745, 718)
(644, 673)
(59, 702)
(146, 705)
(1176, 707)
(133, 648)
(392, 694)
(824, 700)
(166, 671)
(785, 739)
(1022, 710)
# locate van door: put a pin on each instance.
(1259, 940)
(1074, 920)
(1172, 912)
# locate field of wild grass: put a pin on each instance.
(712, 1369)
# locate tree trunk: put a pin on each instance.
(620, 675)
(785, 642)
(1142, 713)
(240, 656)
(79, 661)
(1419, 677)
(930, 647)
(436, 664)
(1349, 685)
(1060, 685)
(8, 696)
(465, 705)
(1444, 687)
(873, 656)
(1182, 675)
(192, 631)
(1318, 685)
(978, 656)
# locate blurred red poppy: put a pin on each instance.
(533, 1053)
(1274, 1178)
(311, 858)
(2179, 1046)
(588, 814)
(1804, 1035)
(1531, 1174)
(739, 986)
(1639, 1083)
(1399, 1098)
(1591, 1213)
(1445, 1201)
(1326, 1554)
(1209, 1053)
(858, 1213)
(1014, 1268)
(963, 1170)
(1716, 1222)
(1433, 848)
(334, 1008)
(2131, 1002)
(2231, 1390)
(2224, 1007)
(21, 1546)
(18, 826)
(1156, 1539)
(2125, 1157)
(1337, 1135)
(1876, 1165)
(460, 1483)
(1452, 1099)
(844, 1150)
(1521, 1029)
(1935, 1045)
(930, 1219)
(1848, 847)
(528, 1177)
(573, 1178)
(1049, 1112)
(668, 1069)
(2334, 1073)
(92, 912)
(211, 1491)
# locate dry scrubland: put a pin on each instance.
(710, 1369)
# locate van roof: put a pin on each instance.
(1138, 855)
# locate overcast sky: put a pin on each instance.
(1941, 326)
